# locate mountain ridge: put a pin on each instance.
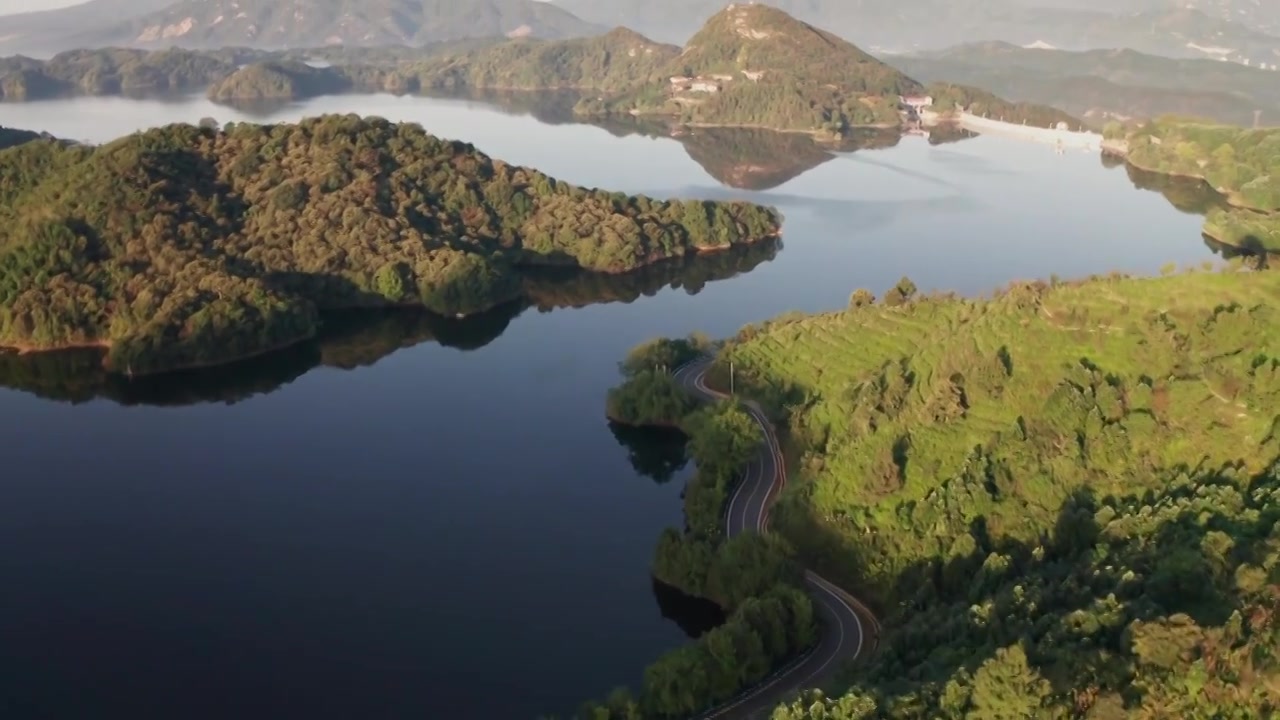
(300, 23)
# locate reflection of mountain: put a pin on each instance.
(353, 339)
(743, 158)
(1190, 195)
(1193, 197)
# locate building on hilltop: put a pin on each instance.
(916, 102)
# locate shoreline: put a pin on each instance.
(104, 346)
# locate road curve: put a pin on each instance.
(848, 627)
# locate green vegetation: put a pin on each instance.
(189, 246)
(768, 70)
(611, 62)
(948, 99)
(115, 71)
(1239, 164)
(277, 79)
(1063, 499)
(752, 577)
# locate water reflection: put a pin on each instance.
(1189, 195)
(353, 339)
(656, 453)
(695, 616)
(1194, 197)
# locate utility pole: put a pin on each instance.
(730, 377)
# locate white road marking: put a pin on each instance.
(762, 523)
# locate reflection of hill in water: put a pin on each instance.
(750, 159)
(743, 158)
(945, 133)
(353, 339)
(1193, 197)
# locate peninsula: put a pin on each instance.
(185, 246)
(1061, 498)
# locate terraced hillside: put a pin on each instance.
(1044, 485)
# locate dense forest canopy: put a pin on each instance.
(185, 246)
(116, 71)
(1243, 165)
(1063, 499)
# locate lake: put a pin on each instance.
(415, 516)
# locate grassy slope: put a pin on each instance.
(937, 432)
(1201, 401)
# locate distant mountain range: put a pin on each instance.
(279, 24)
(1103, 84)
(1231, 29)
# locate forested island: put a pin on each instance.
(1239, 164)
(188, 246)
(1062, 499)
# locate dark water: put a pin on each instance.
(421, 517)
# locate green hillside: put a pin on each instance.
(1241, 165)
(187, 246)
(756, 66)
(1062, 499)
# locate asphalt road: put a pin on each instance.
(847, 627)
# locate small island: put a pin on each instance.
(190, 246)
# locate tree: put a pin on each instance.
(861, 298)
(901, 293)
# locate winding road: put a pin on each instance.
(848, 627)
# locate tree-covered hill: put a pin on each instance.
(1063, 499)
(755, 65)
(116, 71)
(270, 24)
(614, 61)
(186, 246)
(357, 338)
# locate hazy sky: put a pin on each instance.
(8, 7)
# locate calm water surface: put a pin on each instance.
(382, 525)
